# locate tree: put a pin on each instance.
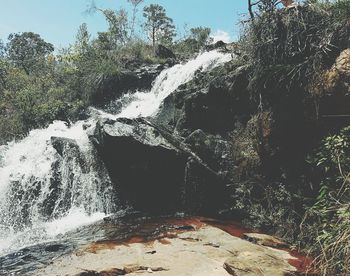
(135, 4)
(26, 50)
(266, 5)
(3, 66)
(2, 49)
(201, 35)
(118, 25)
(158, 25)
(82, 39)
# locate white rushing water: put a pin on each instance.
(32, 203)
(146, 103)
(44, 194)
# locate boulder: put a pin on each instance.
(164, 52)
(210, 103)
(69, 156)
(147, 168)
(153, 169)
(337, 79)
(217, 45)
(61, 144)
(265, 240)
(214, 149)
(114, 86)
(333, 87)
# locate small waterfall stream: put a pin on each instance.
(46, 192)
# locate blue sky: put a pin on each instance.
(57, 21)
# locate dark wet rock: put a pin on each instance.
(217, 45)
(54, 247)
(61, 144)
(70, 155)
(209, 102)
(214, 149)
(185, 228)
(154, 169)
(216, 107)
(164, 52)
(265, 240)
(131, 79)
(212, 113)
(126, 270)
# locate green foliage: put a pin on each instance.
(201, 35)
(196, 40)
(158, 25)
(28, 50)
(118, 31)
(340, 9)
(82, 40)
(268, 207)
(292, 47)
(327, 222)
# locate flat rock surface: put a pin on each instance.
(202, 250)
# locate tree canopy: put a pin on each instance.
(158, 25)
(27, 49)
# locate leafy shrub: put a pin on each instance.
(327, 222)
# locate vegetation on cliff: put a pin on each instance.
(291, 55)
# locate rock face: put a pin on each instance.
(217, 45)
(334, 87)
(127, 80)
(210, 114)
(210, 136)
(154, 169)
(61, 144)
(164, 52)
(186, 158)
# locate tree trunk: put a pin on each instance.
(154, 39)
(250, 9)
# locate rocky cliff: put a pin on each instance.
(210, 138)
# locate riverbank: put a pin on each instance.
(180, 246)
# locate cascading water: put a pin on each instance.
(146, 103)
(47, 190)
(38, 186)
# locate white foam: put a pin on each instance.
(75, 218)
(48, 231)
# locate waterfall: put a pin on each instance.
(38, 185)
(146, 103)
(48, 188)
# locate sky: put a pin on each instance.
(57, 21)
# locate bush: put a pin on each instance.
(327, 222)
(291, 47)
